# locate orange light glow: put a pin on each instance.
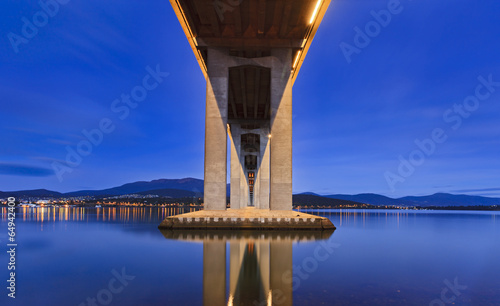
(316, 9)
(297, 59)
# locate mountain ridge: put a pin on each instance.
(192, 187)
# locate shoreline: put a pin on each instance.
(300, 208)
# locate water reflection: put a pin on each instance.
(384, 257)
(122, 214)
(133, 214)
(353, 216)
(396, 218)
(260, 264)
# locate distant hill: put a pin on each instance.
(369, 198)
(190, 184)
(194, 187)
(191, 187)
(446, 199)
(172, 193)
(311, 193)
(316, 200)
(438, 199)
(31, 193)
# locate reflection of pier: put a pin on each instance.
(260, 264)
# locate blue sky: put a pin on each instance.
(355, 122)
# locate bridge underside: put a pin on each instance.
(249, 29)
(250, 53)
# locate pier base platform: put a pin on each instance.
(248, 219)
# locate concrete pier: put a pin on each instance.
(250, 56)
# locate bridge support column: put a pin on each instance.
(237, 173)
(274, 190)
(281, 130)
(216, 131)
(262, 189)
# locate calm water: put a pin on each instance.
(117, 256)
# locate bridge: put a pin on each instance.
(250, 52)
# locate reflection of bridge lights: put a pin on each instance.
(251, 246)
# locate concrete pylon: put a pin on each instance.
(237, 173)
(216, 131)
(251, 55)
(272, 179)
(281, 130)
(262, 181)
